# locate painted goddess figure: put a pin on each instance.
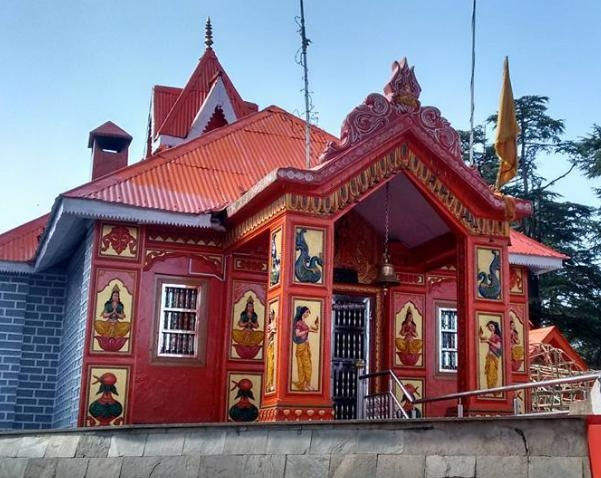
(111, 332)
(517, 350)
(495, 350)
(248, 340)
(270, 359)
(408, 345)
(300, 336)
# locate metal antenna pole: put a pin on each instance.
(472, 83)
(305, 43)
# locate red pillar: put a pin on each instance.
(300, 381)
(484, 332)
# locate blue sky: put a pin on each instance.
(70, 65)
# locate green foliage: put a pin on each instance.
(587, 151)
(571, 297)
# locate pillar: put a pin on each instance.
(296, 386)
(483, 322)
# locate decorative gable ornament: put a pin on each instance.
(399, 104)
(217, 97)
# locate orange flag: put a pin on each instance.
(507, 132)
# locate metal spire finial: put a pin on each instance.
(208, 33)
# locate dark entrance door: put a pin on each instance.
(350, 343)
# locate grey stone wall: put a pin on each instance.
(482, 448)
(73, 329)
(31, 314)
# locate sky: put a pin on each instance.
(70, 65)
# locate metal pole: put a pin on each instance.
(360, 364)
(304, 45)
(516, 406)
(472, 83)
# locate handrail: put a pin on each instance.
(518, 386)
(382, 373)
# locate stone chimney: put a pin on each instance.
(109, 145)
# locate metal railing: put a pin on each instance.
(382, 404)
(385, 404)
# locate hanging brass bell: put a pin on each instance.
(387, 274)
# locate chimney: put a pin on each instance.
(109, 145)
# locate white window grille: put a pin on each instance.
(178, 329)
(447, 339)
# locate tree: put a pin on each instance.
(588, 153)
(571, 297)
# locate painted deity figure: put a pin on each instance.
(408, 344)
(270, 359)
(517, 349)
(111, 332)
(495, 351)
(300, 336)
(244, 410)
(248, 339)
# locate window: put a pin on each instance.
(179, 320)
(447, 339)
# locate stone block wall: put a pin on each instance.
(13, 299)
(40, 351)
(70, 361)
(42, 329)
(470, 448)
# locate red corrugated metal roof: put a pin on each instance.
(179, 119)
(19, 244)
(537, 336)
(213, 170)
(522, 244)
(553, 336)
(163, 99)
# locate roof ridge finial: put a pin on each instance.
(208, 34)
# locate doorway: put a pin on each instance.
(351, 316)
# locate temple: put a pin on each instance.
(221, 279)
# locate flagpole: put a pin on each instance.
(472, 83)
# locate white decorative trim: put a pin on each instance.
(217, 97)
(14, 267)
(537, 264)
(167, 141)
(69, 216)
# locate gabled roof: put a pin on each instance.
(552, 335)
(163, 98)
(20, 244)
(178, 120)
(213, 170)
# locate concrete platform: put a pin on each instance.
(429, 448)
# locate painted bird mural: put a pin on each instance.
(106, 409)
(489, 285)
(244, 410)
(307, 268)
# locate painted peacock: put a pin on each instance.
(489, 285)
(307, 268)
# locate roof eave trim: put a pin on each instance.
(14, 267)
(96, 209)
(93, 209)
(249, 195)
(537, 264)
